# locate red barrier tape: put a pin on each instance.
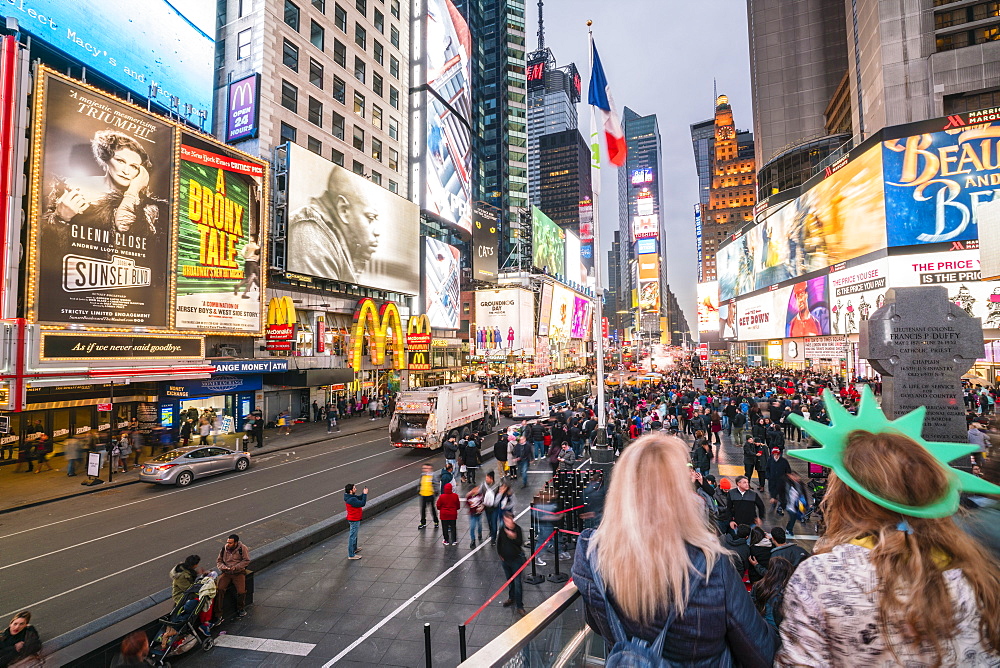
(575, 533)
(507, 583)
(548, 512)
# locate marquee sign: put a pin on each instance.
(379, 323)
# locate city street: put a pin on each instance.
(105, 550)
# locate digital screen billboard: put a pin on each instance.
(935, 182)
(646, 246)
(505, 321)
(642, 176)
(442, 266)
(645, 227)
(104, 215)
(561, 313)
(649, 267)
(343, 227)
(840, 218)
(544, 309)
(548, 243)
(578, 330)
(807, 312)
(218, 284)
(170, 45)
(649, 295)
(728, 328)
(575, 270)
(708, 308)
(485, 245)
(855, 292)
(959, 272)
(447, 163)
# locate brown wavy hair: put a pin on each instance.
(895, 468)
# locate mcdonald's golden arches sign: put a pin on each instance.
(384, 328)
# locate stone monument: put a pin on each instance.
(922, 342)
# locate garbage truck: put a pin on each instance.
(428, 416)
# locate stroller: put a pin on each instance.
(189, 623)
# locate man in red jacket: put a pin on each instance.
(354, 505)
(448, 505)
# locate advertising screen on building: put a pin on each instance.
(839, 219)
(756, 317)
(807, 312)
(646, 246)
(448, 107)
(442, 265)
(579, 328)
(649, 295)
(575, 271)
(649, 267)
(544, 309)
(101, 224)
(343, 227)
(561, 313)
(642, 176)
(708, 308)
(854, 293)
(548, 243)
(935, 182)
(645, 227)
(169, 45)
(505, 321)
(220, 208)
(959, 272)
(485, 244)
(728, 328)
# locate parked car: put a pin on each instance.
(183, 466)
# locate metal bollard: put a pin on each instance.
(427, 646)
(534, 578)
(557, 576)
(461, 642)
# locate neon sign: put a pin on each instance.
(379, 322)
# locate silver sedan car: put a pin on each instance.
(182, 466)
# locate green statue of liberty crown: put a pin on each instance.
(870, 418)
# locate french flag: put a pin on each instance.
(600, 97)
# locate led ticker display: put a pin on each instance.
(642, 176)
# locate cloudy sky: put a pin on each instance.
(660, 58)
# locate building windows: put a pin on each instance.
(339, 90)
(393, 187)
(393, 128)
(377, 149)
(360, 36)
(376, 178)
(394, 36)
(394, 67)
(243, 48)
(394, 159)
(359, 69)
(315, 74)
(290, 56)
(337, 157)
(340, 18)
(956, 104)
(394, 97)
(244, 7)
(377, 116)
(359, 104)
(320, 5)
(361, 6)
(358, 168)
(338, 126)
(377, 83)
(987, 34)
(394, 8)
(315, 111)
(292, 15)
(379, 21)
(289, 97)
(287, 133)
(340, 53)
(378, 51)
(359, 138)
(314, 145)
(317, 35)
(953, 41)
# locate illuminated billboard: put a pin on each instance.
(855, 292)
(959, 272)
(442, 265)
(806, 312)
(447, 109)
(644, 202)
(581, 310)
(243, 108)
(645, 227)
(642, 176)
(649, 295)
(841, 218)
(561, 312)
(548, 243)
(505, 322)
(646, 246)
(708, 308)
(168, 47)
(649, 267)
(343, 227)
(485, 244)
(575, 271)
(728, 328)
(544, 309)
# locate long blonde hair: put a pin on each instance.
(651, 512)
(910, 565)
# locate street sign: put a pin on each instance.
(104, 407)
(4, 424)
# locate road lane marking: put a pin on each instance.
(196, 543)
(186, 512)
(265, 645)
(200, 486)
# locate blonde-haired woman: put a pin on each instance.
(886, 588)
(655, 563)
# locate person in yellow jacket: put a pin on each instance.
(427, 490)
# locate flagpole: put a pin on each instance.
(600, 437)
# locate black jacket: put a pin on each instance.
(777, 471)
(794, 553)
(740, 548)
(472, 458)
(500, 447)
(450, 449)
(745, 507)
(508, 548)
(700, 457)
(536, 431)
(720, 625)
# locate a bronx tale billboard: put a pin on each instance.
(138, 222)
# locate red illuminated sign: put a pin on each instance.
(536, 71)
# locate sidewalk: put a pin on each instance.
(22, 490)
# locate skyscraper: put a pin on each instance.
(564, 176)
(552, 96)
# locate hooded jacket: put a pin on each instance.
(448, 503)
(354, 504)
(181, 579)
(740, 548)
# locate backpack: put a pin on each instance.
(635, 652)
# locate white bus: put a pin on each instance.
(536, 397)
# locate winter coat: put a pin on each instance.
(500, 448)
(700, 457)
(448, 503)
(354, 503)
(762, 553)
(740, 548)
(181, 579)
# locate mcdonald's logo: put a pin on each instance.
(419, 362)
(242, 93)
(281, 319)
(379, 323)
(418, 324)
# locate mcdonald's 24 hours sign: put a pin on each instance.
(242, 113)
